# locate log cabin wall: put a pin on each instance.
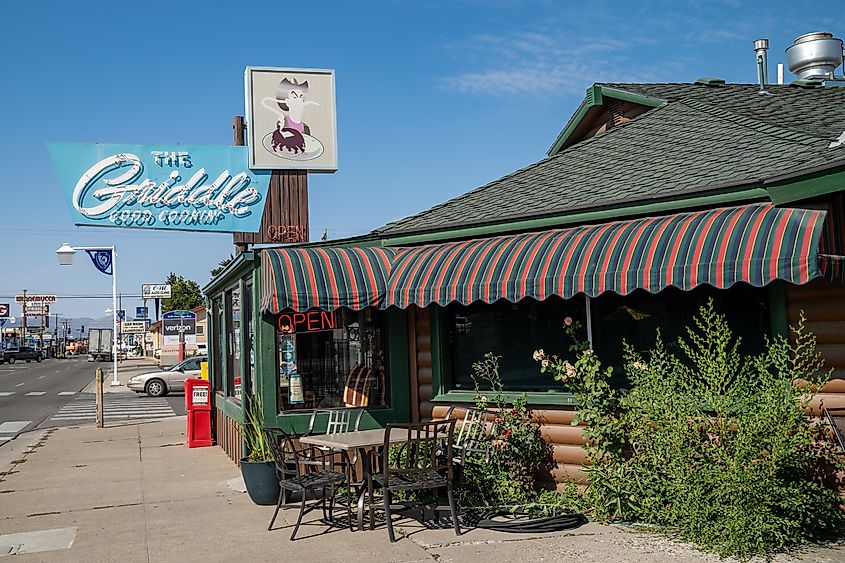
(227, 434)
(823, 304)
(424, 367)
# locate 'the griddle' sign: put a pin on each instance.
(195, 188)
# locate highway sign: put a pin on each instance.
(46, 298)
(141, 312)
(4, 310)
(134, 327)
(155, 291)
(121, 314)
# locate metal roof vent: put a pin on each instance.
(814, 56)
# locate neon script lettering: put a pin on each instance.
(115, 182)
(306, 322)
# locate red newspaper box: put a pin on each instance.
(198, 404)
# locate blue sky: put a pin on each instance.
(433, 99)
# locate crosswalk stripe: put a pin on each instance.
(13, 427)
(3, 440)
(83, 407)
(36, 393)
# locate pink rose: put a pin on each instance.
(567, 321)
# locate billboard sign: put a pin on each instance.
(134, 327)
(290, 116)
(4, 310)
(169, 187)
(140, 312)
(155, 291)
(29, 297)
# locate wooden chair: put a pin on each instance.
(315, 471)
(422, 461)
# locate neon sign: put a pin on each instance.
(311, 321)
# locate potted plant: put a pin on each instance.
(258, 468)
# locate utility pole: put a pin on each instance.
(24, 319)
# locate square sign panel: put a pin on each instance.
(290, 115)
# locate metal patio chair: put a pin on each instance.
(473, 438)
(422, 461)
(315, 471)
(836, 418)
(339, 420)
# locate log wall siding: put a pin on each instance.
(227, 434)
(823, 304)
(424, 371)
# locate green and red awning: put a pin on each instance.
(300, 278)
(755, 244)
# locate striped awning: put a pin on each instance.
(756, 244)
(299, 279)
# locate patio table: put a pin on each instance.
(361, 440)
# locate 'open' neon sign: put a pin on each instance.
(306, 322)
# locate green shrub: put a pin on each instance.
(717, 445)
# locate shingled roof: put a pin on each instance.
(705, 138)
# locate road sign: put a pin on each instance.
(134, 327)
(155, 291)
(121, 314)
(141, 312)
(44, 297)
(4, 310)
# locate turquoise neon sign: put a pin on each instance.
(173, 187)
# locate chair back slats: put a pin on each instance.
(836, 418)
(425, 447)
(474, 431)
(337, 420)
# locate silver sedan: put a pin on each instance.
(160, 382)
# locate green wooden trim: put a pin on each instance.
(440, 358)
(237, 267)
(595, 97)
(534, 398)
(743, 196)
(231, 408)
(778, 319)
(812, 185)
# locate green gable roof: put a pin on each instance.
(704, 139)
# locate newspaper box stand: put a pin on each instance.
(198, 405)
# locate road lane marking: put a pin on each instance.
(6, 393)
(19, 384)
(64, 393)
(42, 377)
(13, 427)
(36, 393)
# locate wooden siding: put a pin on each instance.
(424, 366)
(285, 218)
(227, 434)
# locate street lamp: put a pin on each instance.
(105, 260)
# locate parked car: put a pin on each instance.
(161, 382)
(27, 353)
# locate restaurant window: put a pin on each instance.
(512, 331)
(637, 318)
(249, 344)
(220, 353)
(329, 359)
(233, 343)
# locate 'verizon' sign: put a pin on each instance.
(195, 188)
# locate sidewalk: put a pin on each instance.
(136, 493)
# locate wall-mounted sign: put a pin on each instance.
(176, 187)
(155, 291)
(140, 312)
(290, 116)
(285, 217)
(46, 298)
(4, 310)
(133, 327)
(306, 322)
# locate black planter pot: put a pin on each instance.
(261, 481)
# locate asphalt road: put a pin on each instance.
(49, 394)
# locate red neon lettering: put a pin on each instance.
(285, 324)
(298, 319)
(313, 321)
(327, 319)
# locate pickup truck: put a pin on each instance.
(27, 353)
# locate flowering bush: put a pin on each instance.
(518, 452)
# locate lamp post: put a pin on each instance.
(66, 253)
